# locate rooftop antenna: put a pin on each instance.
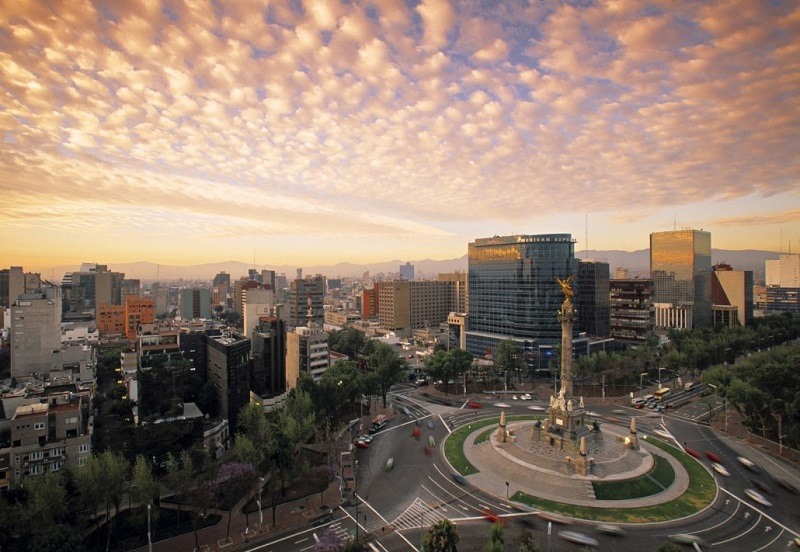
(586, 249)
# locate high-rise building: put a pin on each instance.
(268, 352)
(783, 284)
(306, 351)
(161, 298)
(680, 265)
(632, 314)
(268, 277)
(731, 296)
(592, 300)
(407, 271)
(35, 333)
(14, 282)
(87, 288)
(228, 361)
(513, 292)
(195, 303)
(306, 300)
(459, 280)
(131, 287)
(138, 312)
(369, 302)
(258, 302)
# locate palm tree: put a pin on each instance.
(441, 537)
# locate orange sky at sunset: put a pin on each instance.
(315, 132)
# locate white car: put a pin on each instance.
(536, 408)
(514, 398)
(749, 464)
(502, 405)
(720, 469)
(755, 496)
(526, 396)
(579, 538)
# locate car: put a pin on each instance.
(502, 405)
(430, 424)
(720, 469)
(609, 529)
(687, 538)
(755, 496)
(713, 457)
(513, 397)
(406, 411)
(663, 434)
(431, 441)
(536, 408)
(526, 396)
(389, 464)
(618, 411)
(693, 453)
(658, 408)
(578, 538)
(763, 487)
(458, 478)
(488, 515)
(361, 444)
(475, 405)
(749, 464)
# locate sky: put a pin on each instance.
(313, 132)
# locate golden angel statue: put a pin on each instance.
(566, 287)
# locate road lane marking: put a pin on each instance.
(770, 542)
(772, 519)
(740, 535)
(726, 520)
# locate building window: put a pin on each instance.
(71, 420)
(38, 425)
(83, 448)
(36, 455)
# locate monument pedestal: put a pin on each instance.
(566, 426)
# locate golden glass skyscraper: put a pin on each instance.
(680, 265)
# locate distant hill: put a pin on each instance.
(637, 262)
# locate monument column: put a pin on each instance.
(567, 317)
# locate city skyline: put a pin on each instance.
(316, 132)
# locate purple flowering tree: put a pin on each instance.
(233, 480)
(329, 542)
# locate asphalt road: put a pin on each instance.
(419, 490)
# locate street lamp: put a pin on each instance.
(641, 378)
(149, 536)
(260, 512)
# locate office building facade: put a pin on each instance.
(731, 296)
(513, 292)
(631, 309)
(306, 301)
(680, 266)
(228, 362)
(195, 303)
(592, 301)
(36, 333)
(268, 351)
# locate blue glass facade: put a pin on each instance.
(513, 291)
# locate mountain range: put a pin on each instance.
(637, 263)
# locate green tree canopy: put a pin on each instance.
(441, 537)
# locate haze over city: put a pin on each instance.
(318, 132)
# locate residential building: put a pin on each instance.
(369, 302)
(632, 311)
(306, 351)
(407, 271)
(459, 280)
(592, 300)
(341, 318)
(306, 300)
(35, 333)
(513, 292)
(195, 303)
(258, 301)
(110, 319)
(268, 351)
(131, 287)
(47, 434)
(783, 284)
(229, 372)
(731, 296)
(87, 288)
(680, 265)
(139, 312)
(161, 298)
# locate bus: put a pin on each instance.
(659, 394)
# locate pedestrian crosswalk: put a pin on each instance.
(419, 514)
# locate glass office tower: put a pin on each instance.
(513, 292)
(680, 265)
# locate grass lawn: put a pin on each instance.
(485, 435)
(657, 480)
(700, 493)
(454, 445)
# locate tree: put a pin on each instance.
(329, 542)
(253, 423)
(497, 539)
(102, 482)
(348, 341)
(179, 477)
(246, 451)
(233, 480)
(447, 365)
(527, 544)
(441, 537)
(144, 489)
(508, 358)
(388, 368)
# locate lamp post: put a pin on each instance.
(355, 494)
(149, 535)
(260, 512)
(641, 380)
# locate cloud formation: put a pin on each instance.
(382, 119)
